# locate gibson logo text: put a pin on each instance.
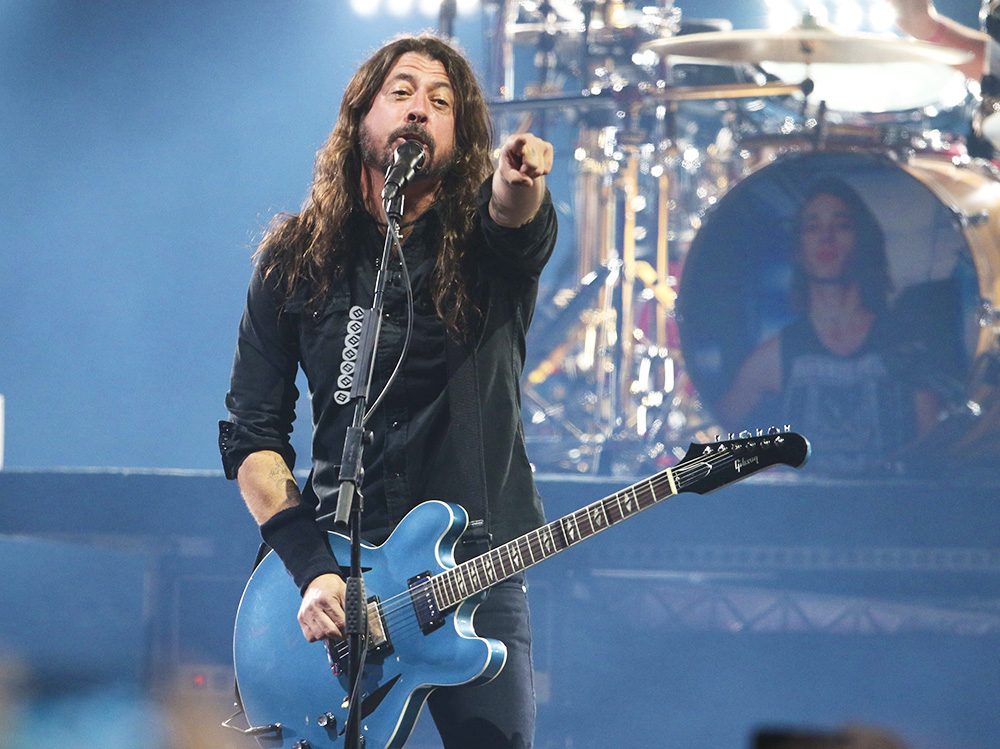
(744, 462)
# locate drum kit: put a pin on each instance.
(691, 142)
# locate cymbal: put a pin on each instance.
(876, 88)
(806, 44)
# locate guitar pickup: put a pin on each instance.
(429, 616)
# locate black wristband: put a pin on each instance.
(302, 546)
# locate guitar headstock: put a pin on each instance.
(708, 466)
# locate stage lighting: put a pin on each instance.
(882, 16)
(782, 15)
(399, 7)
(849, 16)
(364, 7)
(819, 12)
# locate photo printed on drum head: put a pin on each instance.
(839, 293)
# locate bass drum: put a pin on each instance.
(934, 344)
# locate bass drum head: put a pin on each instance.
(921, 387)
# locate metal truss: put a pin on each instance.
(688, 602)
(761, 558)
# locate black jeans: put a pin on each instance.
(501, 713)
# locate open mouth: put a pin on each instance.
(400, 136)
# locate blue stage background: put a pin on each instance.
(145, 147)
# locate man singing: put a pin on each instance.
(474, 244)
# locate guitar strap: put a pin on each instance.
(465, 409)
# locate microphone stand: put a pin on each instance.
(350, 503)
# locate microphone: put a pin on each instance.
(407, 161)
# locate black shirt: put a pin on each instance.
(416, 449)
(856, 408)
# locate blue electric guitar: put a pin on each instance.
(294, 693)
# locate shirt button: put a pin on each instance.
(396, 474)
(396, 425)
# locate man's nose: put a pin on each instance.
(418, 111)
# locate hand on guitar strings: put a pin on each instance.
(321, 614)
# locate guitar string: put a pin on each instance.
(402, 601)
(681, 473)
(402, 629)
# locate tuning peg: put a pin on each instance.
(760, 433)
(745, 434)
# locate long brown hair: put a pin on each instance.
(307, 250)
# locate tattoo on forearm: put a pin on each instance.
(283, 479)
(279, 471)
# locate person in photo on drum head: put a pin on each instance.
(835, 372)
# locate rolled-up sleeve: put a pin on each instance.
(262, 393)
(525, 249)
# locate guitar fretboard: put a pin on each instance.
(705, 468)
(453, 586)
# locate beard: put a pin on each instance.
(379, 156)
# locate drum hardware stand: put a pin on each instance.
(622, 395)
(819, 131)
(596, 334)
(617, 358)
(446, 18)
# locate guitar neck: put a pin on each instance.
(453, 586)
(704, 468)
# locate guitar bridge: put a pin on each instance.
(378, 640)
(429, 616)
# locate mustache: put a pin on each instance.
(416, 131)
